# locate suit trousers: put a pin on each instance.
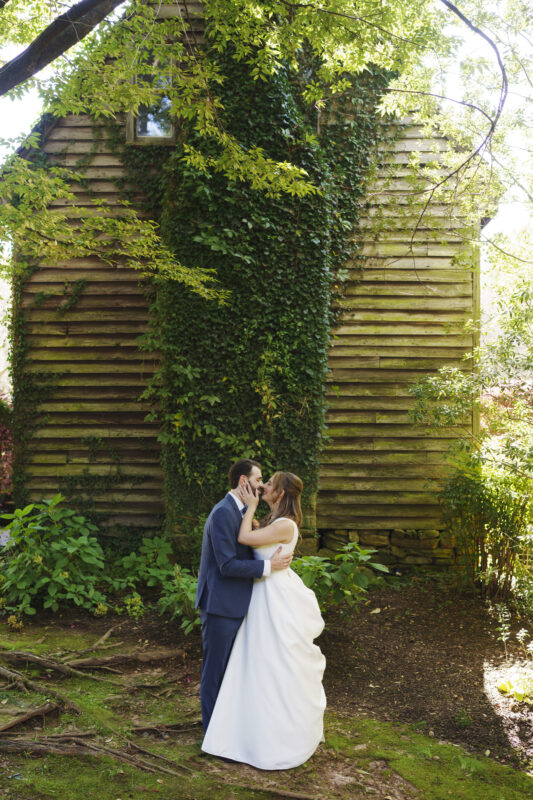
(218, 635)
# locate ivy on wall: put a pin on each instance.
(247, 377)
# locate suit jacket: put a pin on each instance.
(227, 568)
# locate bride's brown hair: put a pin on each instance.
(289, 505)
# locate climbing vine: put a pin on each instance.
(246, 377)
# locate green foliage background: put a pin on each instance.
(246, 377)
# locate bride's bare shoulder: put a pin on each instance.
(285, 524)
(281, 529)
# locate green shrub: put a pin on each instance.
(52, 559)
(489, 512)
(134, 605)
(148, 567)
(151, 567)
(178, 597)
(345, 577)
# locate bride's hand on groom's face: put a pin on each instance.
(248, 496)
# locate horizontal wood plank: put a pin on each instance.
(405, 302)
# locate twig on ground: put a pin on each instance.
(26, 684)
(65, 656)
(138, 762)
(46, 708)
(46, 663)
(98, 645)
(73, 745)
(276, 792)
(66, 735)
(41, 748)
(146, 657)
(54, 736)
(156, 755)
(170, 728)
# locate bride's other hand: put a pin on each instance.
(255, 524)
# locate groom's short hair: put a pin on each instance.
(242, 467)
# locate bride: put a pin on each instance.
(269, 711)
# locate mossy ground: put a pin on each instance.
(360, 757)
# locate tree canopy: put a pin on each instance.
(108, 57)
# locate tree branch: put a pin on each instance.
(342, 15)
(485, 144)
(440, 97)
(65, 31)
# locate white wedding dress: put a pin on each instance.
(269, 711)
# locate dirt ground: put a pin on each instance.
(422, 654)
(430, 657)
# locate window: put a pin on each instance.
(154, 124)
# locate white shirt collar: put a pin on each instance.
(240, 504)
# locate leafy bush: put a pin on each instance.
(148, 567)
(151, 567)
(345, 577)
(52, 559)
(486, 502)
(489, 512)
(134, 605)
(178, 597)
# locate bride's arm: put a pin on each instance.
(280, 531)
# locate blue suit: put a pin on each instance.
(225, 582)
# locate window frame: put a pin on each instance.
(164, 12)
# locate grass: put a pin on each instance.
(430, 770)
(438, 771)
(359, 757)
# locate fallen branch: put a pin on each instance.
(46, 663)
(120, 756)
(136, 762)
(145, 657)
(40, 711)
(156, 755)
(41, 748)
(77, 734)
(65, 656)
(76, 747)
(171, 727)
(98, 645)
(54, 736)
(22, 681)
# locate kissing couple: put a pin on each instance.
(261, 689)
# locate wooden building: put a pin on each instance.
(402, 315)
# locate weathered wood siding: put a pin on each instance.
(95, 433)
(95, 441)
(402, 316)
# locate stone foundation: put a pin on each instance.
(395, 548)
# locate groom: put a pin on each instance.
(225, 580)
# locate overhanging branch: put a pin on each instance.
(485, 144)
(65, 31)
